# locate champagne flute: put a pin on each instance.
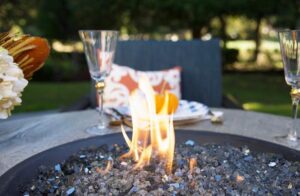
(290, 51)
(99, 47)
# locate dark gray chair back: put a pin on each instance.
(200, 62)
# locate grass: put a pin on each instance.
(256, 92)
(259, 92)
(50, 95)
(250, 44)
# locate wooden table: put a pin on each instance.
(22, 138)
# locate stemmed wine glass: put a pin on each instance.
(99, 47)
(290, 53)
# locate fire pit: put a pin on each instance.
(147, 162)
(204, 162)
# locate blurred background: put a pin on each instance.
(252, 67)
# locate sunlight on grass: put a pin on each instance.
(241, 44)
(270, 45)
(281, 109)
(250, 45)
(268, 58)
(259, 92)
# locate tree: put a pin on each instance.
(259, 10)
(181, 15)
(223, 9)
(289, 16)
(54, 19)
(61, 19)
(17, 13)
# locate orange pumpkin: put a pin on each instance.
(172, 104)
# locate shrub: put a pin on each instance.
(63, 67)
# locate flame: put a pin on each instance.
(152, 134)
(107, 168)
(193, 164)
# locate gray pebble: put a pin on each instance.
(272, 164)
(248, 158)
(57, 168)
(190, 143)
(70, 191)
(175, 185)
(218, 178)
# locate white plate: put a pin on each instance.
(185, 111)
(190, 110)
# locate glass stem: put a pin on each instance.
(100, 89)
(295, 102)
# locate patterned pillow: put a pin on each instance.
(123, 80)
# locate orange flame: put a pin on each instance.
(193, 164)
(152, 134)
(107, 168)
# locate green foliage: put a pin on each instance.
(95, 14)
(54, 19)
(63, 67)
(18, 12)
(61, 19)
(287, 16)
(229, 56)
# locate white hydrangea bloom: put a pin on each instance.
(12, 83)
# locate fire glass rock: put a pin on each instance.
(57, 168)
(219, 170)
(70, 191)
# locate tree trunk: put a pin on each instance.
(257, 38)
(196, 31)
(223, 31)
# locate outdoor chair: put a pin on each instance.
(201, 78)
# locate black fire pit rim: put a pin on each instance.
(177, 130)
(239, 141)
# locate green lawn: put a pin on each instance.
(257, 92)
(45, 95)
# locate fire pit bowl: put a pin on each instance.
(25, 171)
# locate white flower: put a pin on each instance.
(12, 83)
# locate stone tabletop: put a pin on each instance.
(22, 138)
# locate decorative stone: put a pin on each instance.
(175, 185)
(248, 158)
(220, 170)
(246, 151)
(57, 168)
(272, 164)
(255, 189)
(218, 178)
(70, 191)
(190, 143)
